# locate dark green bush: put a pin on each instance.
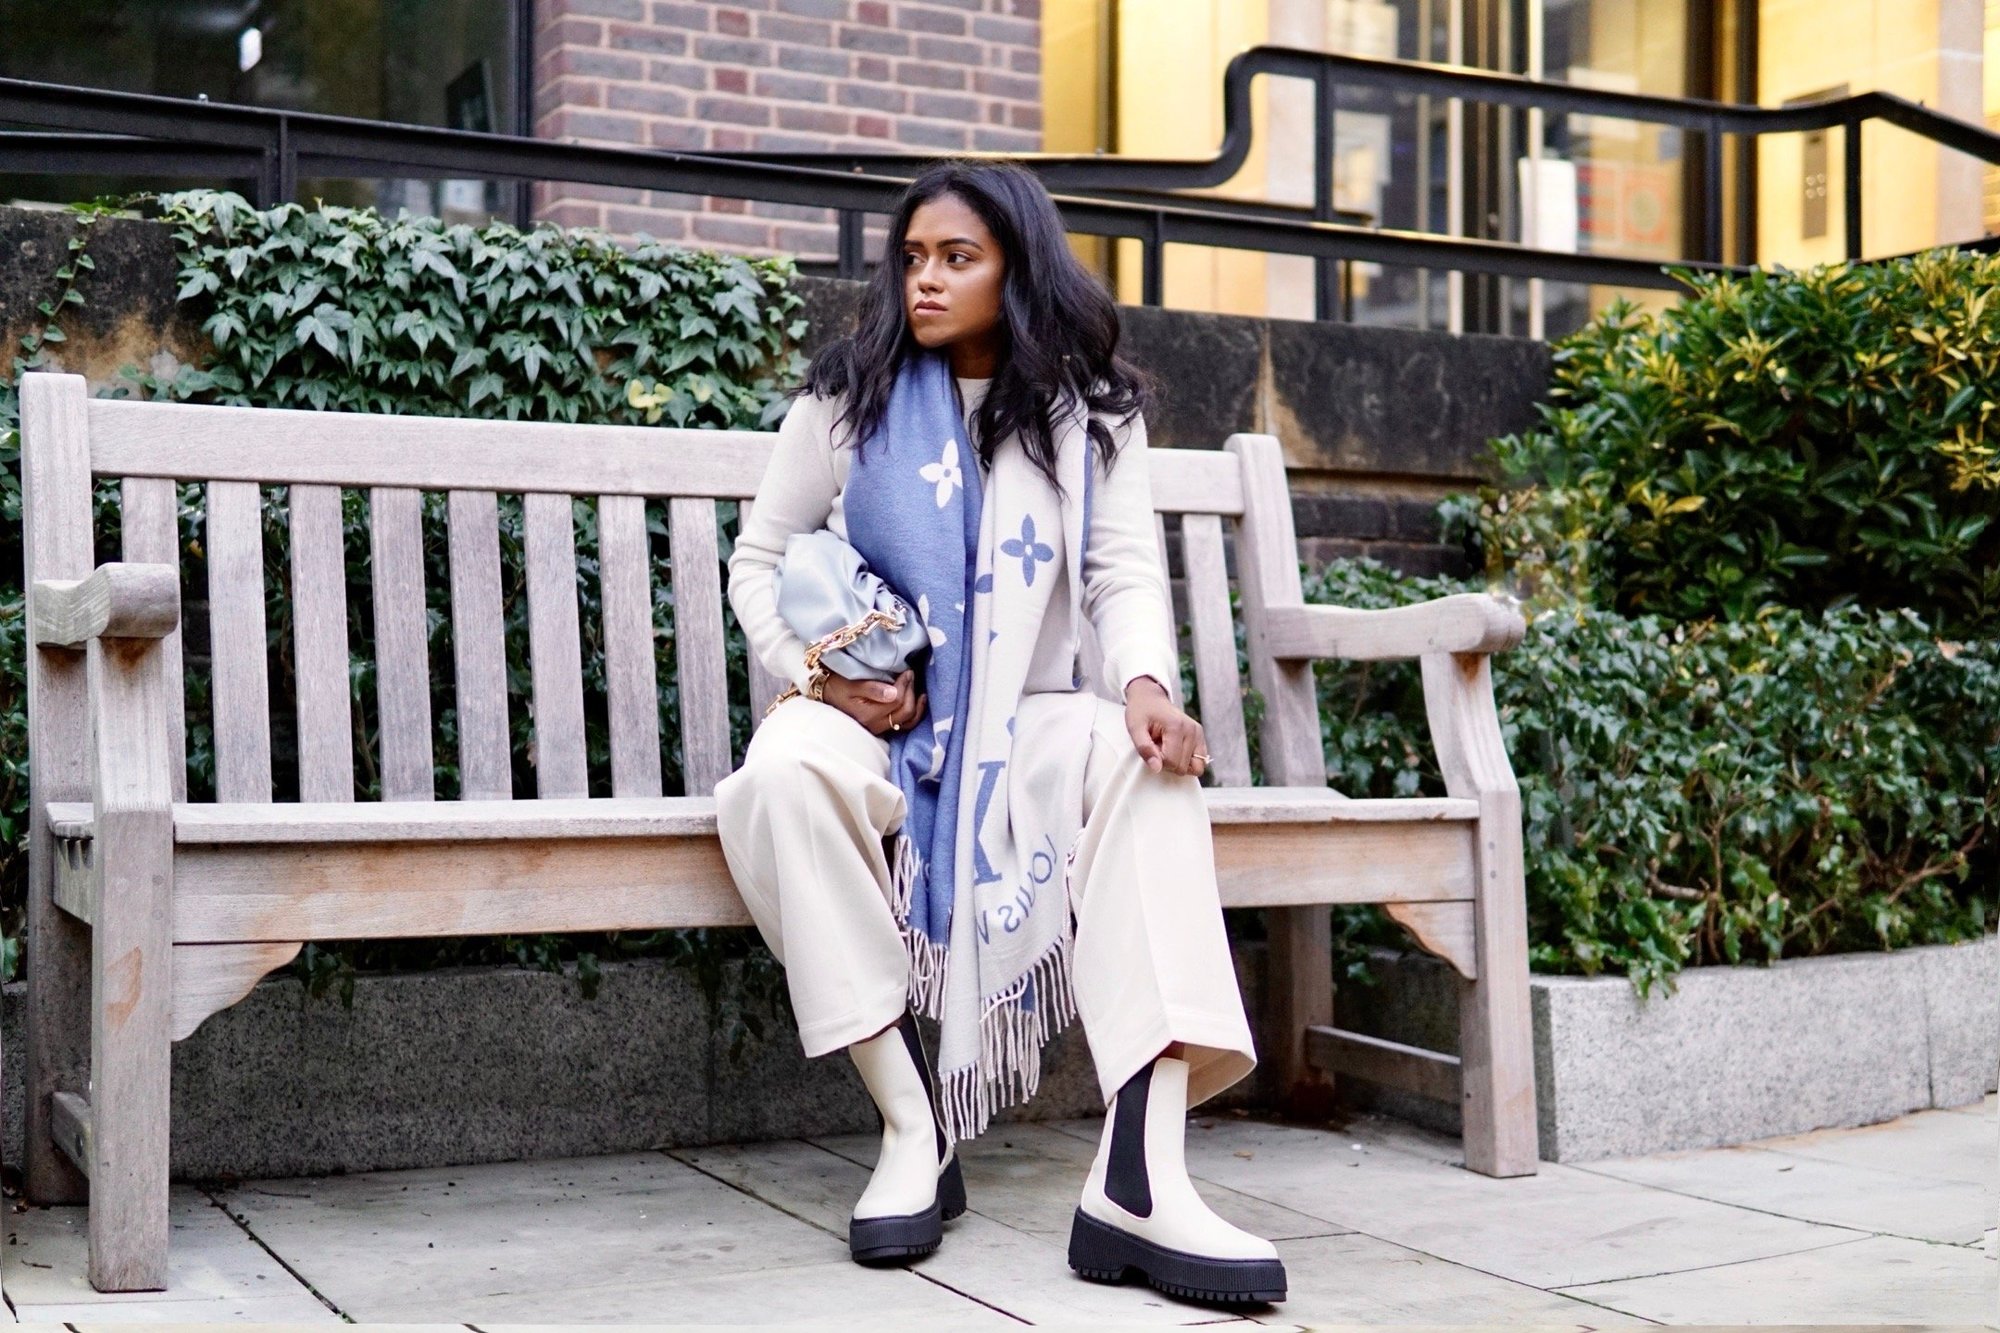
(1758, 710)
(1796, 783)
(1809, 440)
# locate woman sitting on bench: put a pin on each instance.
(998, 846)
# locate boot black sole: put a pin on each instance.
(1103, 1253)
(895, 1240)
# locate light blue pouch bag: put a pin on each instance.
(826, 592)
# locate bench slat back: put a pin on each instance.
(698, 647)
(402, 643)
(631, 675)
(1213, 633)
(1267, 562)
(149, 533)
(608, 493)
(319, 642)
(555, 646)
(239, 681)
(764, 686)
(478, 646)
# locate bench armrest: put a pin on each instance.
(1469, 622)
(117, 601)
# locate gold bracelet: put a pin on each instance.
(840, 638)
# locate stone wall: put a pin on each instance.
(775, 76)
(1378, 424)
(129, 316)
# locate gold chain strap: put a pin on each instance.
(826, 643)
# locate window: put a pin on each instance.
(421, 62)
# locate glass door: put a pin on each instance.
(1143, 78)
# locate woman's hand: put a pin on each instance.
(1166, 737)
(878, 705)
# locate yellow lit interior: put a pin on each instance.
(1143, 78)
(1168, 103)
(1915, 194)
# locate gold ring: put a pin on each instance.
(1202, 757)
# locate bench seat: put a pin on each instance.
(293, 872)
(208, 824)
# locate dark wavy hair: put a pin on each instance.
(1058, 325)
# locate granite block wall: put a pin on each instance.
(1378, 424)
(1730, 1055)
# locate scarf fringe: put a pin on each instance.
(1011, 1036)
(927, 956)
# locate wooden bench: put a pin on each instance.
(148, 913)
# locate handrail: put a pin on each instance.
(1426, 79)
(1329, 71)
(1142, 198)
(289, 145)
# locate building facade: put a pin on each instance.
(1125, 77)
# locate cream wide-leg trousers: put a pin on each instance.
(802, 825)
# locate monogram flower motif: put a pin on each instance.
(938, 734)
(1027, 549)
(944, 473)
(924, 614)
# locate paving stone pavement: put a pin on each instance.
(1377, 1221)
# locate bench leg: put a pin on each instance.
(131, 1055)
(1298, 995)
(56, 1047)
(55, 530)
(1496, 1039)
(131, 1011)
(1496, 1032)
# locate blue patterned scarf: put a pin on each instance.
(980, 864)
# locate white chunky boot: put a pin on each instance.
(917, 1185)
(1140, 1213)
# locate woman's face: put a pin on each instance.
(952, 275)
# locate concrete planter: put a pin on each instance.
(469, 1065)
(1732, 1054)
(465, 1065)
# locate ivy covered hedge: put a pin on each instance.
(342, 309)
(1805, 439)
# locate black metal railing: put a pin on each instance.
(82, 130)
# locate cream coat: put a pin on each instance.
(1121, 595)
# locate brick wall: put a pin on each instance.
(776, 76)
